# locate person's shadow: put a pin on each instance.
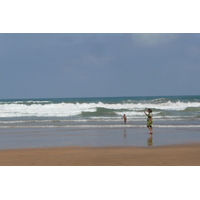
(150, 140)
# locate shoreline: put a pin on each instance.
(165, 155)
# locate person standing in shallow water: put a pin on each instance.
(125, 118)
(149, 120)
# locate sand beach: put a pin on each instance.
(171, 155)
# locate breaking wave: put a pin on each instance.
(51, 109)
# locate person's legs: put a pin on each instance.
(150, 128)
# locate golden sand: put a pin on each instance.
(174, 155)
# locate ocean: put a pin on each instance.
(174, 111)
(69, 115)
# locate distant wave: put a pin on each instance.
(41, 109)
(24, 102)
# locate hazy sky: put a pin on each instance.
(98, 65)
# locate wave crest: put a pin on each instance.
(160, 106)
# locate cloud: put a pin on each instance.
(153, 39)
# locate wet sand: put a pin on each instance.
(171, 155)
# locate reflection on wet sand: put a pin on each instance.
(124, 133)
(150, 140)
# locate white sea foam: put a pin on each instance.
(73, 109)
(47, 110)
(86, 126)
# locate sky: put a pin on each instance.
(53, 65)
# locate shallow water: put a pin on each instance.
(34, 138)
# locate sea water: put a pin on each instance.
(174, 111)
(40, 116)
